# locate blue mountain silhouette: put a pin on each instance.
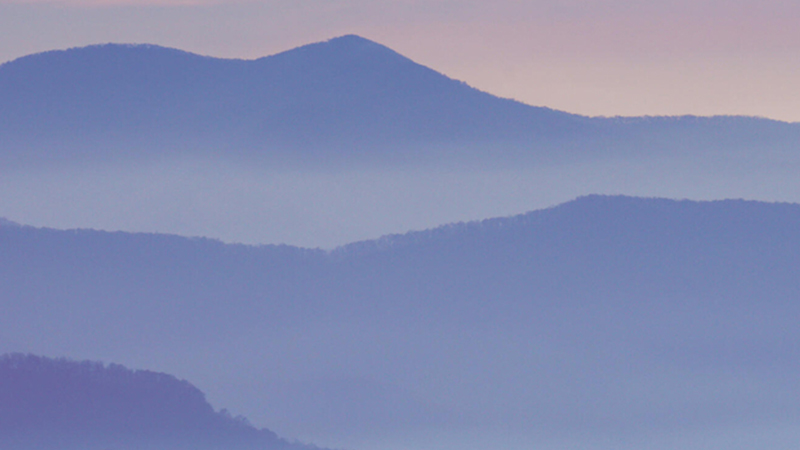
(605, 313)
(345, 99)
(65, 404)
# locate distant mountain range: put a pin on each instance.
(556, 314)
(625, 318)
(68, 405)
(345, 101)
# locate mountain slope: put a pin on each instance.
(58, 403)
(342, 93)
(654, 241)
(603, 315)
(347, 100)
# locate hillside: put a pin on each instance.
(596, 239)
(59, 403)
(347, 92)
(347, 101)
(604, 313)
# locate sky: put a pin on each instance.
(593, 57)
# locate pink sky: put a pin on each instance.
(612, 57)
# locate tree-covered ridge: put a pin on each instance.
(603, 312)
(46, 402)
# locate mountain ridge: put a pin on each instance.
(392, 239)
(353, 41)
(556, 315)
(341, 102)
(86, 404)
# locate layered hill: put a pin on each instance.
(58, 403)
(600, 244)
(344, 93)
(605, 314)
(347, 100)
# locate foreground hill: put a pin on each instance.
(616, 317)
(345, 101)
(57, 403)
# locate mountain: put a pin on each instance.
(65, 404)
(708, 245)
(347, 100)
(617, 317)
(334, 142)
(345, 92)
(7, 223)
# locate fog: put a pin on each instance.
(257, 204)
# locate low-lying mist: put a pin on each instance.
(259, 204)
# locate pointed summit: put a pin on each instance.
(353, 40)
(346, 50)
(349, 42)
(355, 43)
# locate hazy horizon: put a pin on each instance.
(328, 209)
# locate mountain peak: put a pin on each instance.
(351, 40)
(347, 48)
